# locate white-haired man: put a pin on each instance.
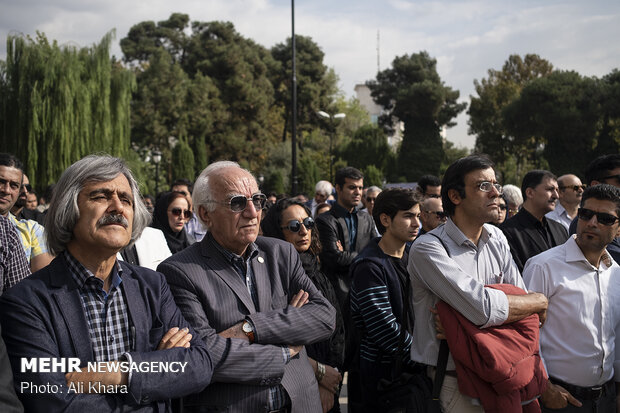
(250, 300)
(322, 191)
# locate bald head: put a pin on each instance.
(570, 190)
(431, 213)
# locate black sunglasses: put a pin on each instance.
(601, 217)
(371, 199)
(502, 207)
(187, 214)
(27, 187)
(294, 225)
(440, 214)
(239, 203)
(575, 188)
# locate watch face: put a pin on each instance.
(247, 328)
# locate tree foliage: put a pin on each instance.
(495, 93)
(59, 104)
(411, 91)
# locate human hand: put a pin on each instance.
(234, 331)
(327, 399)
(81, 379)
(331, 380)
(175, 338)
(557, 397)
(339, 246)
(441, 332)
(294, 350)
(541, 303)
(300, 299)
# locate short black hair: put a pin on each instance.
(183, 181)
(533, 178)
(426, 181)
(10, 160)
(392, 200)
(454, 177)
(603, 192)
(347, 172)
(601, 167)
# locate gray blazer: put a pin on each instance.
(213, 297)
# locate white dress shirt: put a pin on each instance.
(578, 340)
(560, 215)
(459, 280)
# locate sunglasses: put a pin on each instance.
(371, 199)
(575, 188)
(502, 207)
(433, 196)
(601, 217)
(294, 225)
(27, 187)
(239, 203)
(187, 214)
(440, 214)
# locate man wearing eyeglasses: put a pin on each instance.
(250, 301)
(582, 284)
(431, 215)
(456, 261)
(570, 190)
(530, 232)
(30, 232)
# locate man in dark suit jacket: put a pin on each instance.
(87, 305)
(529, 232)
(250, 300)
(344, 231)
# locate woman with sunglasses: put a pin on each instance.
(171, 214)
(290, 220)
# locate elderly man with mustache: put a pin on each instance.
(88, 309)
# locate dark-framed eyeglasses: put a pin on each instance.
(486, 186)
(371, 198)
(432, 195)
(503, 207)
(601, 217)
(239, 203)
(294, 225)
(575, 188)
(440, 214)
(27, 187)
(187, 214)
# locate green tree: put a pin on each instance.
(411, 91)
(369, 146)
(59, 104)
(495, 93)
(560, 111)
(182, 161)
(608, 140)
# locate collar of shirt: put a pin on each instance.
(81, 274)
(343, 212)
(533, 220)
(574, 254)
(459, 238)
(250, 252)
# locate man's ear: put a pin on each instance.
(454, 196)
(204, 215)
(529, 193)
(385, 220)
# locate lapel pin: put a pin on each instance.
(261, 260)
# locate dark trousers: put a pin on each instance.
(604, 404)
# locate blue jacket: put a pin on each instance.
(42, 316)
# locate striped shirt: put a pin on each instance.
(458, 278)
(106, 312)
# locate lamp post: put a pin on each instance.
(156, 160)
(332, 119)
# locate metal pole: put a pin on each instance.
(156, 179)
(331, 156)
(293, 108)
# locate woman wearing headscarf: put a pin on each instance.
(290, 220)
(171, 214)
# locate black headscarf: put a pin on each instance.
(177, 241)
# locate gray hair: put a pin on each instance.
(512, 193)
(323, 187)
(203, 195)
(63, 212)
(374, 189)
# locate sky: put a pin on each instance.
(466, 37)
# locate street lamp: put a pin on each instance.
(156, 160)
(332, 119)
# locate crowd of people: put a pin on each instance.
(219, 297)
